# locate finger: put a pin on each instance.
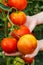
(31, 23)
(28, 21)
(12, 54)
(34, 53)
(41, 44)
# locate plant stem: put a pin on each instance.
(5, 23)
(6, 28)
(12, 26)
(8, 61)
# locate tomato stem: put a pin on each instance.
(12, 26)
(5, 23)
(6, 29)
(8, 61)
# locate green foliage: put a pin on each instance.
(38, 32)
(34, 7)
(4, 7)
(18, 61)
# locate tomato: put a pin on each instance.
(29, 60)
(21, 31)
(18, 18)
(18, 4)
(9, 25)
(5, 3)
(9, 45)
(27, 44)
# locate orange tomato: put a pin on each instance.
(18, 18)
(27, 44)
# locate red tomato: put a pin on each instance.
(29, 60)
(18, 18)
(21, 31)
(9, 45)
(18, 4)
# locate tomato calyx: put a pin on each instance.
(22, 30)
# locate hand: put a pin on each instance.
(12, 54)
(39, 47)
(31, 23)
(34, 20)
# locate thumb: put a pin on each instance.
(34, 53)
(32, 25)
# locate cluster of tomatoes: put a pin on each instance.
(11, 45)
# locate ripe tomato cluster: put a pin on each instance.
(26, 43)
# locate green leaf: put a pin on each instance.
(18, 61)
(38, 31)
(39, 59)
(4, 7)
(1, 23)
(41, 7)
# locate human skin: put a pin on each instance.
(34, 20)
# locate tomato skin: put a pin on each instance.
(9, 45)
(28, 60)
(18, 4)
(18, 18)
(21, 31)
